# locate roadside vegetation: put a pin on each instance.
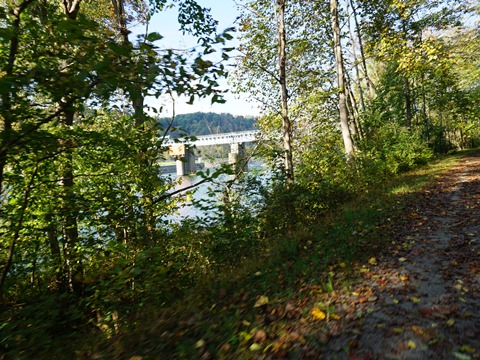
(92, 264)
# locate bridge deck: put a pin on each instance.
(219, 139)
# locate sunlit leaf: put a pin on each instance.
(318, 314)
(261, 301)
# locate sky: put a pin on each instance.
(165, 23)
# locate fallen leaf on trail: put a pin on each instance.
(412, 345)
(466, 348)
(260, 336)
(318, 314)
(415, 300)
(255, 347)
(451, 322)
(225, 347)
(402, 259)
(461, 356)
(372, 261)
(200, 343)
(262, 300)
(403, 278)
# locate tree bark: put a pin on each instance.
(282, 65)
(408, 104)
(371, 86)
(342, 98)
(18, 227)
(73, 266)
(6, 103)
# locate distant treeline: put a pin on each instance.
(200, 123)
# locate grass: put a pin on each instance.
(219, 317)
(297, 271)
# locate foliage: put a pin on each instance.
(86, 231)
(208, 123)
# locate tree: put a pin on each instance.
(342, 89)
(282, 78)
(68, 179)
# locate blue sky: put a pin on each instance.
(165, 23)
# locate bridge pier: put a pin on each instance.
(237, 157)
(184, 159)
(180, 149)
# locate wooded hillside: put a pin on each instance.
(208, 123)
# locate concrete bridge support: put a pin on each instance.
(184, 159)
(186, 163)
(237, 157)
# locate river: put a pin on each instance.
(188, 210)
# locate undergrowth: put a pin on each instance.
(215, 315)
(219, 317)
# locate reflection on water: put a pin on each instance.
(202, 192)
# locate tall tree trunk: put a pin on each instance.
(408, 104)
(73, 265)
(356, 66)
(342, 98)
(370, 84)
(17, 228)
(55, 253)
(9, 93)
(137, 99)
(424, 110)
(407, 89)
(282, 65)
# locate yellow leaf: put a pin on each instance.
(372, 261)
(412, 345)
(318, 314)
(262, 300)
(255, 347)
(415, 300)
(450, 322)
(468, 349)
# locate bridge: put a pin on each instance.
(218, 139)
(182, 148)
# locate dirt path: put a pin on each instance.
(421, 299)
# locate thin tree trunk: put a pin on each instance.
(18, 227)
(370, 84)
(342, 99)
(55, 253)
(9, 94)
(356, 67)
(282, 64)
(70, 227)
(408, 104)
(424, 110)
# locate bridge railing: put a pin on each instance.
(219, 139)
